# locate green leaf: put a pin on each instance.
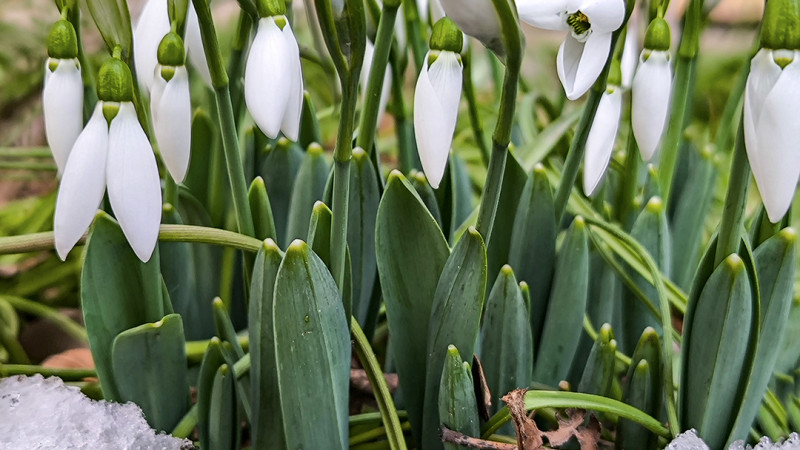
(598, 371)
(309, 126)
(114, 22)
(411, 253)
(279, 171)
(203, 146)
(212, 360)
(225, 329)
(149, 365)
(460, 194)
(425, 192)
(775, 263)
(533, 245)
(223, 421)
(319, 231)
(562, 326)
(506, 343)
(455, 320)
(715, 351)
(118, 296)
(363, 214)
(265, 420)
(643, 391)
(309, 186)
(458, 409)
(261, 209)
(652, 232)
(499, 243)
(312, 347)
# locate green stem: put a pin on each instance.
(236, 62)
(7, 370)
(368, 121)
(732, 223)
(25, 152)
(406, 147)
(46, 312)
(170, 191)
(417, 35)
(512, 40)
(472, 107)
(391, 421)
(630, 183)
(28, 165)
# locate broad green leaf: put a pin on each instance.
(506, 344)
(223, 421)
(279, 171)
(202, 148)
(411, 253)
(212, 360)
(149, 365)
(319, 231)
(425, 192)
(651, 230)
(533, 245)
(312, 348)
(309, 126)
(114, 22)
(567, 305)
(261, 209)
(455, 320)
(715, 351)
(644, 390)
(652, 185)
(116, 297)
(458, 409)
(309, 187)
(790, 351)
(599, 369)
(775, 263)
(266, 425)
(363, 214)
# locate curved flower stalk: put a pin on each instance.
(171, 107)
(369, 52)
(62, 97)
(152, 26)
(273, 80)
(436, 99)
(583, 54)
(770, 127)
(111, 150)
(476, 18)
(652, 87)
(602, 135)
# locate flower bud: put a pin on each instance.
(170, 50)
(780, 28)
(115, 82)
(657, 36)
(447, 36)
(62, 43)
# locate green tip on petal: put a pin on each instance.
(269, 8)
(115, 82)
(171, 51)
(780, 28)
(658, 35)
(62, 43)
(446, 36)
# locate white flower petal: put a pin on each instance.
(764, 73)
(476, 18)
(422, 8)
(174, 125)
(630, 57)
(436, 102)
(604, 15)
(267, 78)
(62, 99)
(400, 26)
(437, 12)
(600, 142)
(156, 91)
(194, 46)
(652, 86)
(547, 14)
(153, 24)
(290, 125)
(778, 135)
(134, 188)
(578, 65)
(82, 185)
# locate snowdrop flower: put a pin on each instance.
(584, 52)
(171, 106)
(369, 53)
(63, 92)
(273, 81)
(602, 135)
(652, 86)
(436, 99)
(152, 26)
(112, 150)
(630, 51)
(478, 19)
(771, 97)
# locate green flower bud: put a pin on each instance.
(62, 43)
(780, 28)
(171, 51)
(657, 36)
(267, 8)
(115, 82)
(447, 36)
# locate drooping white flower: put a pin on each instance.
(602, 135)
(476, 18)
(112, 150)
(195, 51)
(650, 96)
(630, 51)
(171, 109)
(584, 52)
(273, 80)
(771, 132)
(436, 102)
(386, 89)
(62, 97)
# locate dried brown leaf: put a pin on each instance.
(529, 437)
